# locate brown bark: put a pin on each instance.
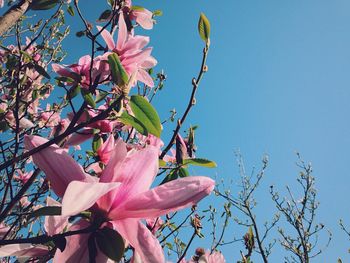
(13, 15)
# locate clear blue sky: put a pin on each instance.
(278, 82)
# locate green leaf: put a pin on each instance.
(200, 162)
(158, 13)
(161, 163)
(89, 99)
(96, 142)
(43, 4)
(111, 243)
(173, 175)
(101, 96)
(105, 15)
(119, 75)
(137, 8)
(127, 119)
(46, 211)
(73, 91)
(182, 172)
(204, 27)
(41, 71)
(70, 10)
(146, 113)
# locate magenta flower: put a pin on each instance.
(141, 15)
(130, 50)
(121, 197)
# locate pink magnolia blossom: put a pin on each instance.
(80, 73)
(22, 177)
(141, 15)
(122, 195)
(130, 50)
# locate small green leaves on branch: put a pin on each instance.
(146, 114)
(89, 99)
(204, 28)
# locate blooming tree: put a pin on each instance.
(85, 176)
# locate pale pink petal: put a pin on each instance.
(144, 18)
(136, 43)
(79, 138)
(112, 171)
(122, 32)
(80, 196)
(143, 76)
(23, 250)
(137, 58)
(145, 244)
(58, 166)
(166, 198)
(107, 37)
(54, 224)
(150, 62)
(63, 71)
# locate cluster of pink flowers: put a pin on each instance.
(118, 195)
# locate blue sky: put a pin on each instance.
(278, 82)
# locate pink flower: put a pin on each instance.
(141, 15)
(106, 149)
(80, 73)
(130, 50)
(22, 177)
(122, 195)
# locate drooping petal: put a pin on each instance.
(80, 196)
(23, 250)
(166, 198)
(107, 37)
(54, 224)
(145, 244)
(58, 166)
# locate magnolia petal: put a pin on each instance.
(111, 173)
(56, 163)
(136, 174)
(80, 196)
(122, 32)
(107, 37)
(143, 76)
(183, 192)
(145, 244)
(54, 224)
(23, 250)
(144, 18)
